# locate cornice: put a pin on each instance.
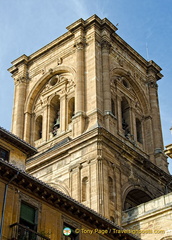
(149, 65)
(93, 20)
(100, 135)
(61, 149)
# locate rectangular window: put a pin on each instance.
(73, 235)
(4, 154)
(28, 216)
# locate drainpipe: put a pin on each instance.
(4, 202)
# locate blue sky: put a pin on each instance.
(27, 25)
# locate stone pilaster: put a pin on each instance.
(44, 122)
(63, 117)
(119, 114)
(100, 186)
(79, 118)
(27, 127)
(158, 143)
(18, 110)
(156, 122)
(106, 81)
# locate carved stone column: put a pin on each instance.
(63, 111)
(158, 143)
(101, 209)
(44, 122)
(79, 118)
(80, 95)
(27, 127)
(106, 81)
(161, 160)
(18, 110)
(119, 115)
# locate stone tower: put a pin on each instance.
(88, 102)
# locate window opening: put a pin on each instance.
(4, 154)
(84, 188)
(54, 123)
(139, 130)
(113, 107)
(28, 216)
(73, 235)
(38, 132)
(71, 109)
(125, 111)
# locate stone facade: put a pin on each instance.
(89, 103)
(151, 220)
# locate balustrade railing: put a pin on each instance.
(21, 232)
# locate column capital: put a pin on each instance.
(80, 44)
(153, 84)
(19, 80)
(105, 45)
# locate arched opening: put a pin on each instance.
(139, 131)
(54, 122)
(113, 107)
(71, 109)
(136, 197)
(125, 112)
(111, 190)
(38, 128)
(112, 219)
(84, 189)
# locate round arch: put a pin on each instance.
(41, 83)
(59, 185)
(137, 89)
(135, 196)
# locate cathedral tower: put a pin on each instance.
(89, 103)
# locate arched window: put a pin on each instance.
(84, 189)
(113, 107)
(112, 219)
(111, 190)
(71, 109)
(125, 112)
(54, 120)
(135, 197)
(38, 128)
(139, 130)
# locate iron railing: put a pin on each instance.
(21, 232)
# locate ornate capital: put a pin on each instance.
(105, 45)
(153, 84)
(20, 80)
(79, 44)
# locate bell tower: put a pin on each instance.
(89, 103)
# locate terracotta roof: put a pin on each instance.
(16, 141)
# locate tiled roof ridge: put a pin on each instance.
(17, 138)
